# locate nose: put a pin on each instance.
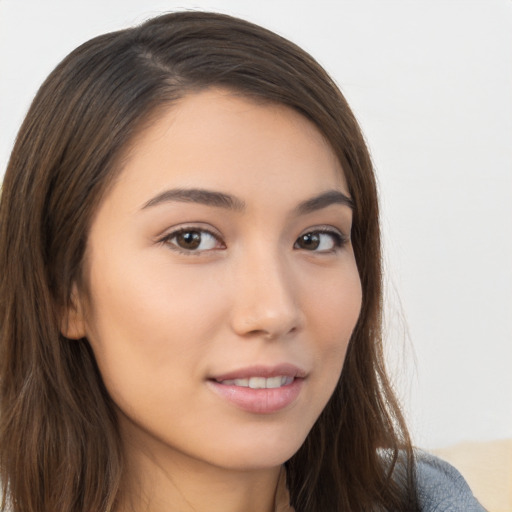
(265, 298)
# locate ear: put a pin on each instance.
(72, 324)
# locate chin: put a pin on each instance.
(259, 452)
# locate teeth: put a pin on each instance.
(260, 382)
(257, 382)
(274, 382)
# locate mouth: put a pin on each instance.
(259, 382)
(261, 376)
(260, 389)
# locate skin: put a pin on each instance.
(164, 318)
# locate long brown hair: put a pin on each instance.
(59, 443)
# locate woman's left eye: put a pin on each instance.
(192, 240)
(320, 241)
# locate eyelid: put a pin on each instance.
(326, 228)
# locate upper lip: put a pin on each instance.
(284, 370)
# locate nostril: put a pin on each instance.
(270, 330)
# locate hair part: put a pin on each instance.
(59, 441)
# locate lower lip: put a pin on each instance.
(259, 401)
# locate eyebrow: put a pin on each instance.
(198, 195)
(222, 200)
(323, 201)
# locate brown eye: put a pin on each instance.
(192, 240)
(320, 241)
(308, 241)
(189, 240)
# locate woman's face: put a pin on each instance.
(222, 283)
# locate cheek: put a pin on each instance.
(334, 309)
(151, 324)
(149, 295)
(334, 305)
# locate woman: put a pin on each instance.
(191, 287)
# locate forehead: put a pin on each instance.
(216, 138)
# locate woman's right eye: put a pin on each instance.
(192, 240)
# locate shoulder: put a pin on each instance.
(441, 488)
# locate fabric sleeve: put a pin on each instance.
(441, 488)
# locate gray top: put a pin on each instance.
(441, 488)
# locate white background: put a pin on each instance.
(431, 83)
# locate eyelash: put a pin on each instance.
(339, 239)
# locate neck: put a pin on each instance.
(163, 480)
